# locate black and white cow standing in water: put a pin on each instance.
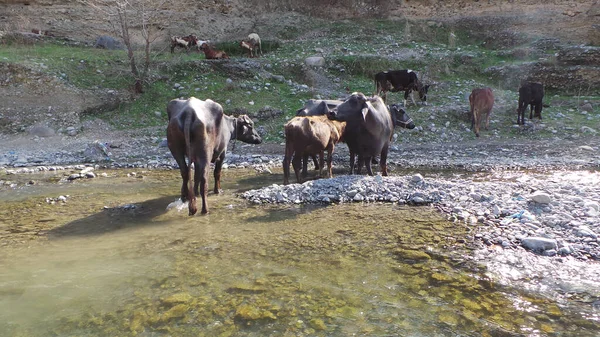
(200, 131)
(400, 80)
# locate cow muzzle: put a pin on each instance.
(332, 114)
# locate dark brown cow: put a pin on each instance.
(310, 135)
(368, 131)
(200, 131)
(530, 93)
(183, 42)
(400, 80)
(481, 102)
(212, 54)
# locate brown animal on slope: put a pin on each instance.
(310, 136)
(252, 43)
(200, 131)
(212, 54)
(481, 101)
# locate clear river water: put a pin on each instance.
(111, 260)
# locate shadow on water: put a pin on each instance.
(284, 212)
(112, 219)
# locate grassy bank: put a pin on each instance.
(278, 83)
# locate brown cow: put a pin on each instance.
(200, 131)
(481, 101)
(212, 54)
(309, 136)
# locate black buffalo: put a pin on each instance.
(530, 93)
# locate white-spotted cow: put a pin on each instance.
(200, 131)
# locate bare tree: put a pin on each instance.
(141, 16)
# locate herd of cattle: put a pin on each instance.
(252, 44)
(200, 131)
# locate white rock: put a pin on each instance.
(315, 61)
(541, 197)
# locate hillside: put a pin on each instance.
(568, 20)
(60, 85)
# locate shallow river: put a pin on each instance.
(112, 261)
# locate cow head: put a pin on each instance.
(354, 106)
(245, 130)
(193, 39)
(422, 89)
(400, 117)
(245, 44)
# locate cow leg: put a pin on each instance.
(383, 164)
(367, 162)
(321, 163)
(329, 159)
(538, 110)
(217, 173)
(202, 169)
(530, 111)
(352, 158)
(177, 149)
(289, 151)
(405, 97)
(296, 164)
(412, 97)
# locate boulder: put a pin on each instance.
(541, 197)
(315, 61)
(539, 244)
(108, 42)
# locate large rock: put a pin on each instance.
(108, 42)
(541, 197)
(315, 61)
(539, 244)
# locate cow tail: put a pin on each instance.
(376, 88)
(187, 125)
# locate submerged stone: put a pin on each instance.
(411, 255)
